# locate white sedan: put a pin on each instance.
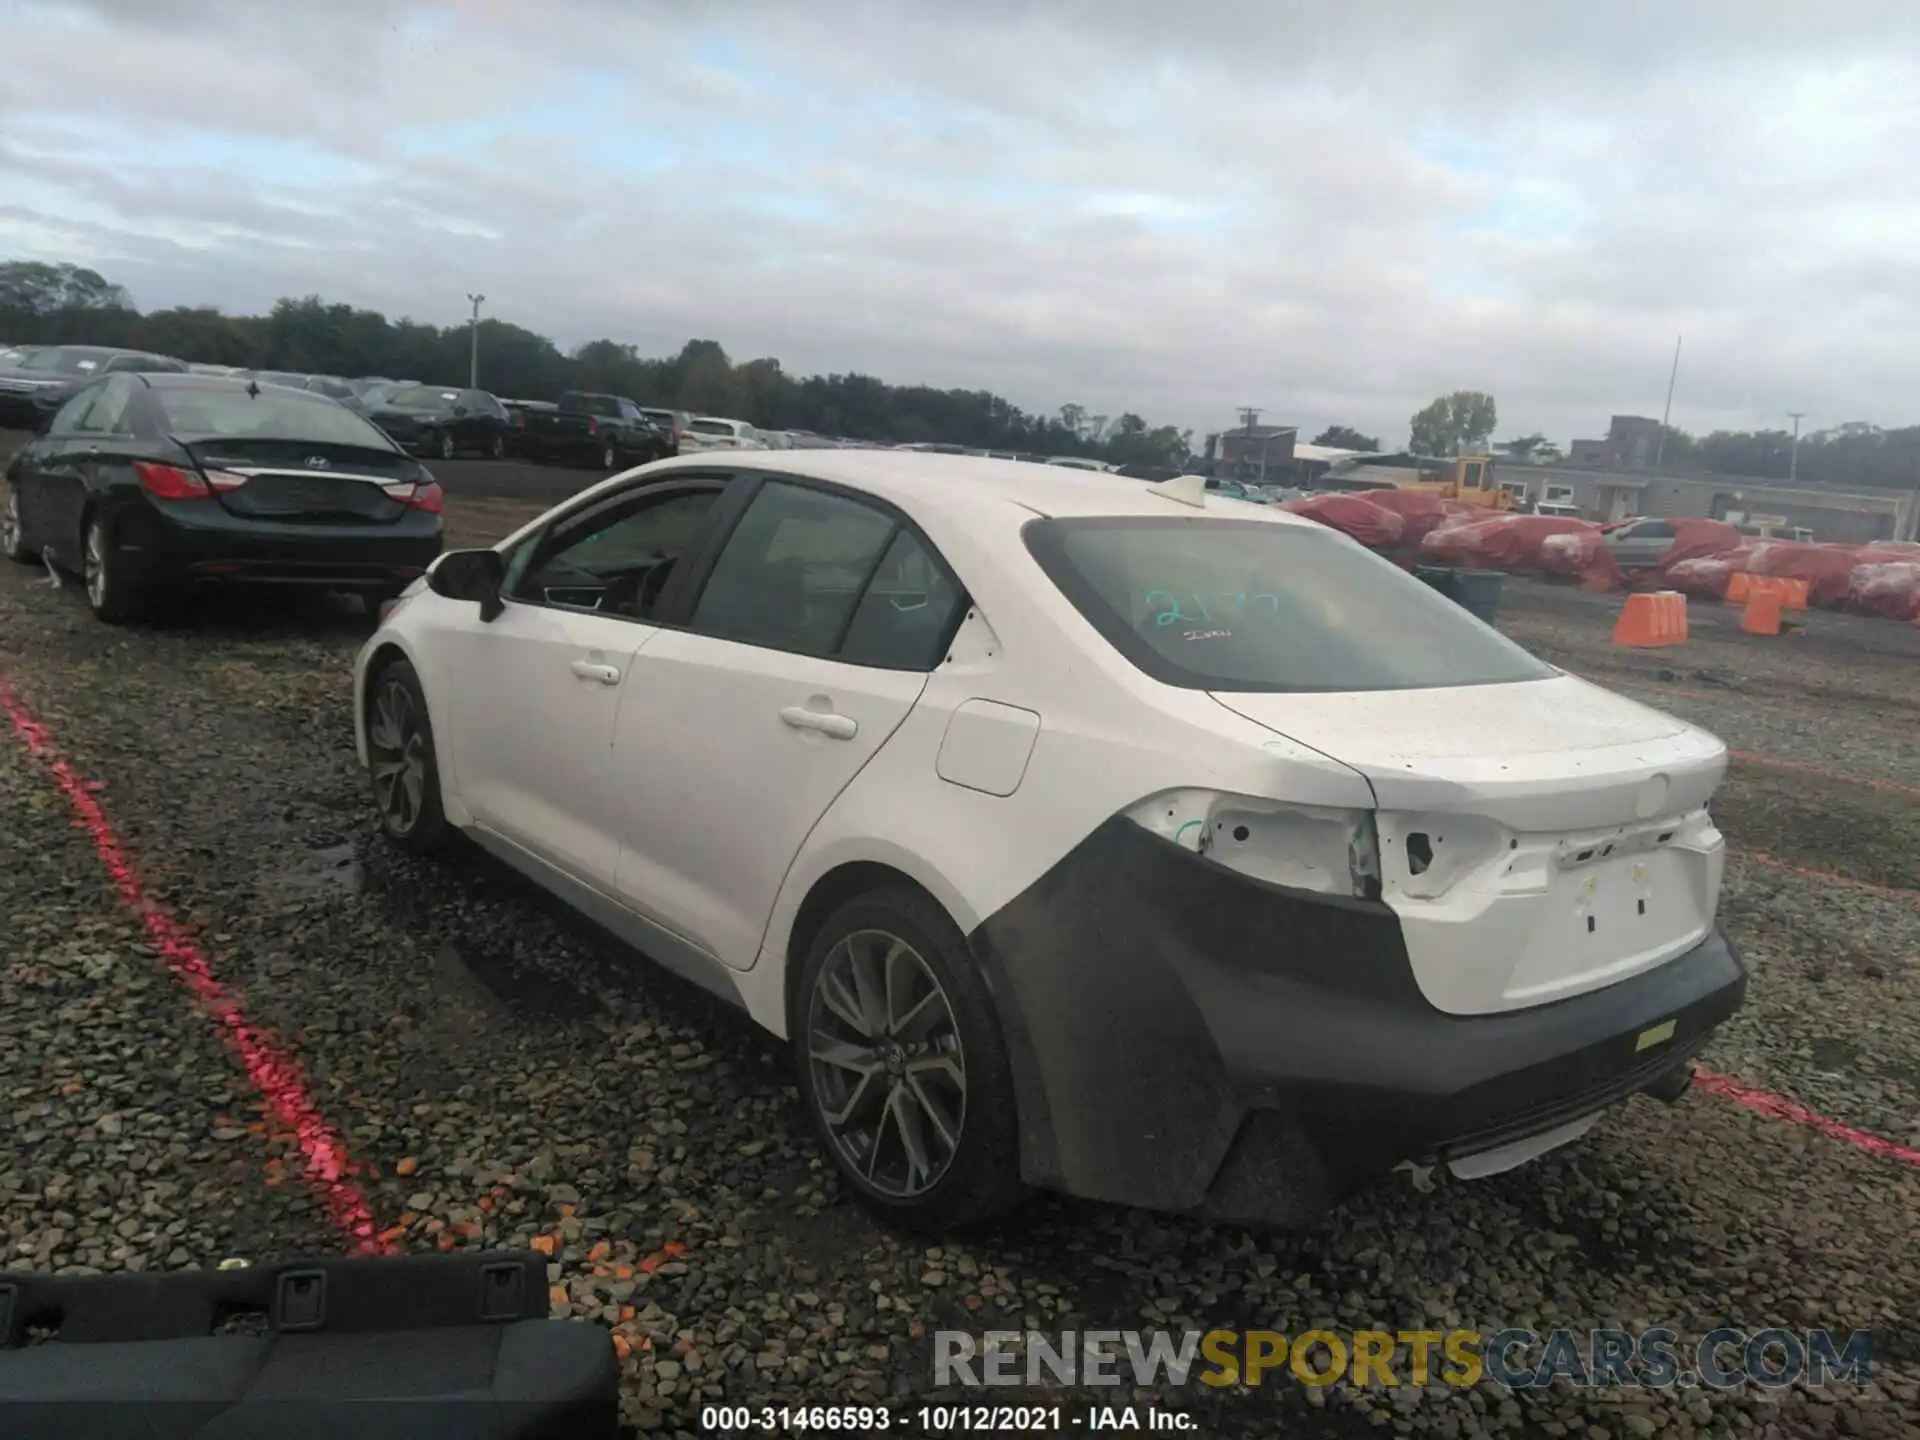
(1076, 832)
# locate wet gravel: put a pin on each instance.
(507, 1075)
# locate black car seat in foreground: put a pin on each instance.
(434, 1347)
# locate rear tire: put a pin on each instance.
(13, 534)
(496, 448)
(112, 595)
(402, 763)
(447, 446)
(916, 1106)
(609, 456)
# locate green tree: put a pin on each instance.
(1455, 423)
(1345, 437)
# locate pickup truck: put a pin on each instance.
(608, 431)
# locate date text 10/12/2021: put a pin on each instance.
(931, 1420)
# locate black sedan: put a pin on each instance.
(40, 382)
(444, 420)
(146, 484)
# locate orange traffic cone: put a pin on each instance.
(1653, 619)
(1739, 587)
(1762, 615)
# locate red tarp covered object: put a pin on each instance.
(1370, 524)
(1694, 537)
(1890, 588)
(1420, 511)
(1705, 577)
(1827, 569)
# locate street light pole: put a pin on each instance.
(1793, 462)
(473, 352)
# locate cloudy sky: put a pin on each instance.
(1330, 210)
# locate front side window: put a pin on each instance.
(108, 414)
(614, 558)
(1249, 606)
(793, 570)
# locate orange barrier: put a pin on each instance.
(1742, 587)
(1762, 615)
(1658, 617)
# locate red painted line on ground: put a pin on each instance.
(1828, 877)
(324, 1155)
(1778, 1107)
(1821, 772)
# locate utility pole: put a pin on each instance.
(1660, 446)
(1793, 463)
(473, 352)
(1248, 415)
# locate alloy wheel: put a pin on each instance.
(94, 566)
(398, 749)
(10, 530)
(446, 447)
(887, 1066)
(608, 457)
(496, 447)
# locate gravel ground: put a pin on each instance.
(505, 1074)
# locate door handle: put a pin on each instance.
(840, 727)
(605, 674)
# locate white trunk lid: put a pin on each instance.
(1537, 839)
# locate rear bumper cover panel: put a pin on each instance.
(1186, 1038)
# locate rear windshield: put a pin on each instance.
(710, 427)
(269, 414)
(62, 361)
(1242, 605)
(423, 397)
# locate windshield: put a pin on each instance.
(1242, 605)
(267, 414)
(422, 397)
(62, 361)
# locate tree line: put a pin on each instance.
(70, 304)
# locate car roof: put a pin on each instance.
(922, 483)
(187, 380)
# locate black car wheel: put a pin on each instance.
(496, 448)
(13, 534)
(609, 456)
(903, 1066)
(111, 593)
(401, 760)
(446, 445)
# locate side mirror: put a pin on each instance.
(470, 575)
(459, 410)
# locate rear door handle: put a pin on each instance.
(840, 727)
(605, 674)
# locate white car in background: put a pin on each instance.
(1079, 462)
(1108, 838)
(715, 432)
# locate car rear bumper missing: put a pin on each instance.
(1186, 1038)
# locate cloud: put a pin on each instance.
(1331, 211)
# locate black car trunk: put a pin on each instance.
(301, 480)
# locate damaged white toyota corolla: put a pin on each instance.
(1079, 833)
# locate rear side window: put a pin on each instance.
(906, 616)
(793, 570)
(269, 413)
(1245, 605)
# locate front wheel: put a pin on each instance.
(401, 761)
(13, 533)
(496, 448)
(112, 594)
(903, 1066)
(446, 445)
(609, 457)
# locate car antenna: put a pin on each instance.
(1184, 489)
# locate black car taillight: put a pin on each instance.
(170, 482)
(428, 497)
